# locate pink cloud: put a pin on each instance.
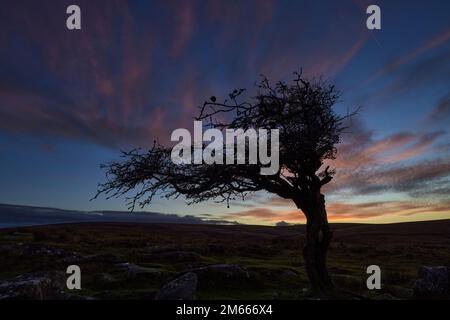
(184, 26)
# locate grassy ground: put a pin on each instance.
(272, 256)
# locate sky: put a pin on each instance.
(72, 99)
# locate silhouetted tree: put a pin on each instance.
(309, 130)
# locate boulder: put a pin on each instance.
(180, 288)
(432, 282)
(134, 270)
(33, 286)
(288, 274)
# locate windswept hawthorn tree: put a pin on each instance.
(309, 130)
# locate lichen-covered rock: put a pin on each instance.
(180, 288)
(132, 270)
(33, 286)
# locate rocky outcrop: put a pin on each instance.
(182, 287)
(134, 270)
(33, 286)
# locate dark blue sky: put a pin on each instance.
(70, 100)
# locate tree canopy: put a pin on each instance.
(308, 127)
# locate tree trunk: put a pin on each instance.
(318, 237)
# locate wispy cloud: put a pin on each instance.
(139, 69)
(441, 113)
(392, 66)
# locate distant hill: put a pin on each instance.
(20, 216)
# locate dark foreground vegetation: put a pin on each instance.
(134, 261)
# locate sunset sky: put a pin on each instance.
(71, 100)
